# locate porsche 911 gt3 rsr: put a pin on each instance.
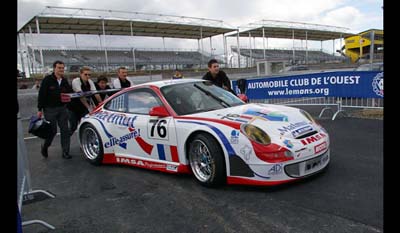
(193, 126)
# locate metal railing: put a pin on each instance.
(328, 103)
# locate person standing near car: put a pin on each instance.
(101, 85)
(79, 107)
(217, 76)
(53, 109)
(122, 80)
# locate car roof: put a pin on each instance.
(168, 82)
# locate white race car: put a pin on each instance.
(193, 126)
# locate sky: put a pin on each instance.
(357, 16)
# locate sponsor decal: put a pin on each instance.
(271, 116)
(288, 143)
(320, 147)
(313, 138)
(235, 117)
(303, 130)
(292, 126)
(377, 84)
(234, 137)
(246, 152)
(117, 119)
(130, 161)
(139, 162)
(275, 170)
(121, 141)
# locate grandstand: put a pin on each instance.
(314, 56)
(289, 30)
(102, 23)
(140, 58)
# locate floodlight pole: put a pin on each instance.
(306, 47)
(40, 48)
(105, 47)
(28, 55)
(76, 44)
(263, 31)
(33, 52)
(224, 41)
(293, 62)
(133, 50)
(333, 47)
(238, 47)
(371, 49)
(21, 54)
(249, 64)
(201, 52)
(163, 41)
(210, 46)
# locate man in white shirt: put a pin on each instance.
(79, 107)
(121, 81)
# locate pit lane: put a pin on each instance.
(347, 197)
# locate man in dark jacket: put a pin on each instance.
(217, 76)
(54, 110)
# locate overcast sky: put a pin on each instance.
(358, 16)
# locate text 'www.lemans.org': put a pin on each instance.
(287, 91)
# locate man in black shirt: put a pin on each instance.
(50, 103)
(217, 76)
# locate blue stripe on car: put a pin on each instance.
(225, 141)
(161, 153)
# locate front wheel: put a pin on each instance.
(207, 160)
(91, 143)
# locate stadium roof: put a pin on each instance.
(285, 29)
(62, 20)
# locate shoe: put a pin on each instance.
(44, 151)
(66, 156)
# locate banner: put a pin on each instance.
(363, 84)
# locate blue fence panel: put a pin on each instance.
(362, 84)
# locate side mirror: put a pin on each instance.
(159, 111)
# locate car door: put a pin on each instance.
(149, 137)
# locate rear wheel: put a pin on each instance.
(92, 145)
(207, 160)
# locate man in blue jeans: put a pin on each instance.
(54, 110)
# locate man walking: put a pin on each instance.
(50, 104)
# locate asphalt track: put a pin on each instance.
(347, 197)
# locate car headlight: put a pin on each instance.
(255, 134)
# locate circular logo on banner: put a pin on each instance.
(377, 84)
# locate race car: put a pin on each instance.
(193, 126)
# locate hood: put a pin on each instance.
(275, 120)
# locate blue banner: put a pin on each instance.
(363, 84)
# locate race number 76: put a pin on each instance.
(158, 128)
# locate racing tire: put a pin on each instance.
(91, 143)
(207, 160)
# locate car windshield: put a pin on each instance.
(188, 98)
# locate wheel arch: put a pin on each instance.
(193, 134)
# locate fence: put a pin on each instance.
(341, 90)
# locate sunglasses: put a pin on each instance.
(87, 74)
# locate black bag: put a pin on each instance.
(40, 127)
